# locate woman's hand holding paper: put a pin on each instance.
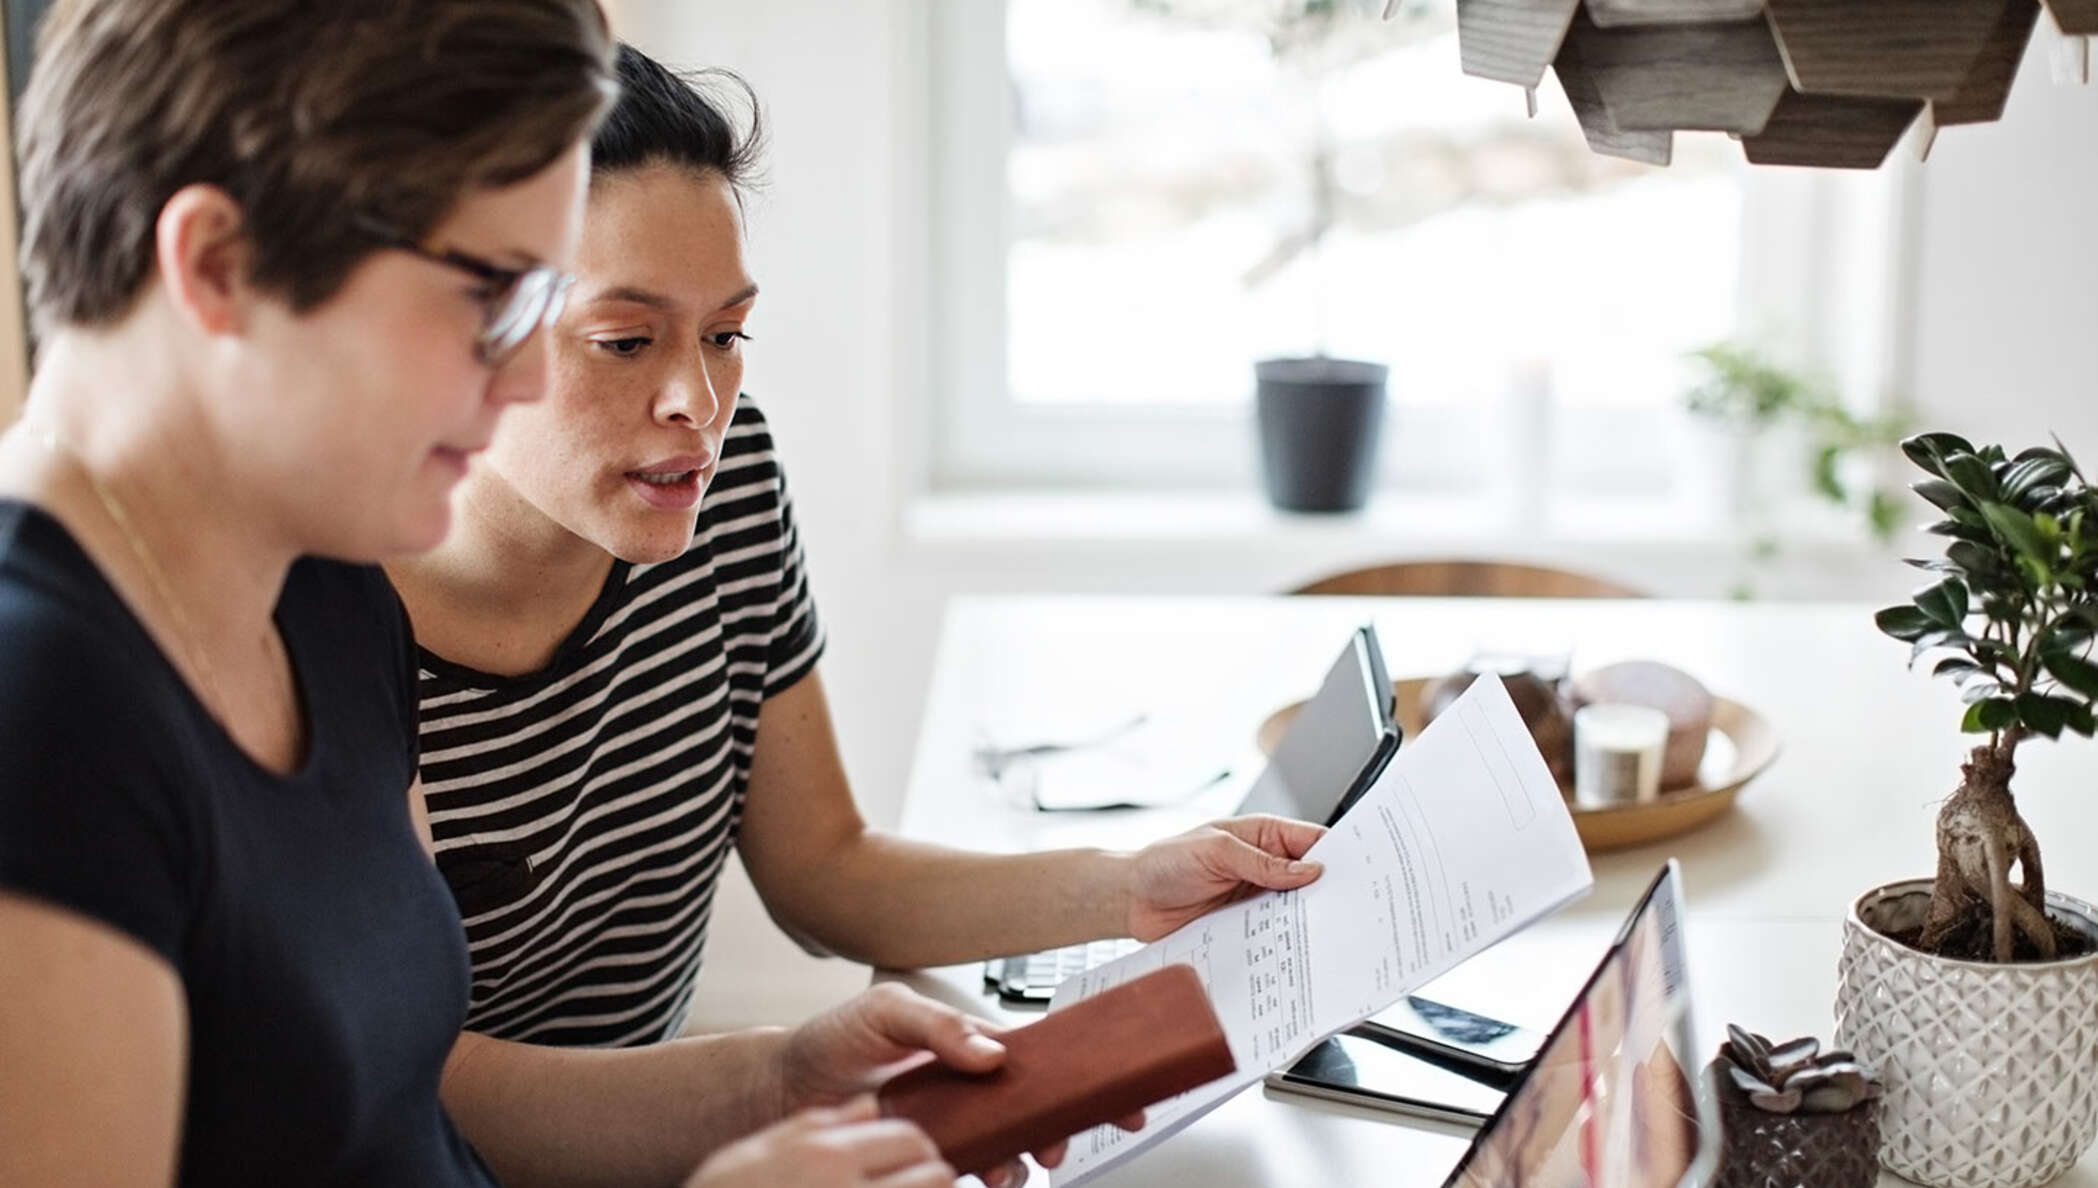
(1185, 877)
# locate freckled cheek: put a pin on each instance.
(728, 384)
(600, 432)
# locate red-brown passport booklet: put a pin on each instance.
(1088, 1064)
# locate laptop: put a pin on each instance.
(1333, 751)
(1615, 1096)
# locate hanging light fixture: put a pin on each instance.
(1832, 83)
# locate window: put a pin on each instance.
(1124, 223)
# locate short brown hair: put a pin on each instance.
(305, 113)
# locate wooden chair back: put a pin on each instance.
(1468, 579)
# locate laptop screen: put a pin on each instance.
(1329, 748)
(1612, 1099)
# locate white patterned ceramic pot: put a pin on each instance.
(1991, 1071)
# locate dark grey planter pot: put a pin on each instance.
(1320, 420)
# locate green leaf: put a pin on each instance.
(2072, 671)
(2071, 634)
(1978, 690)
(1927, 450)
(1977, 559)
(1945, 602)
(2030, 473)
(2017, 529)
(1959, 668)
(2082, 721)
(1883, 515)
(1972, 476)
(1930, 565)
(2003, 610)
(1940, 493)
(2041, 714)
(1992, 714)
(1962, 531)
(1905, 623)
(1942, 638)
(1994, 651)
(2066, 456)
(1826, 459)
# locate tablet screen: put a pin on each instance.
(1612, 1098)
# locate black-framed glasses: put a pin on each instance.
(518, 301)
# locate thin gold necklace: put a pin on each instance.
(163, 589)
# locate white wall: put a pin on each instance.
(2007, 310)
(2006, 334)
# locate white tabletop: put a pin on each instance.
(1869, 748)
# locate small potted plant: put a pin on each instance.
(1746, 404)
(1973, 995)
(1792, 1114)
(1319, 418)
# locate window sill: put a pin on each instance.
(966, 518)
(1232, 541)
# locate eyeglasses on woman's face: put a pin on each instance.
(515, 302)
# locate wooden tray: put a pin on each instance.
(1741, 746)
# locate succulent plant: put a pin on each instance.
(1795, 1077)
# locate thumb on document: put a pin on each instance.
(1189, 876)
(1271, 872)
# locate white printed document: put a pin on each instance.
(1463, 840)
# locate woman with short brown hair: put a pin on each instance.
(288, 262)
(285, 275)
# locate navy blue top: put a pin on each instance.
(321, 957)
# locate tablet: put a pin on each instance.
(1614, 1096)
(1338, 744)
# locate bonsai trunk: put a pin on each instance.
(1979, 835)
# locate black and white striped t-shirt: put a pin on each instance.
(582, 813)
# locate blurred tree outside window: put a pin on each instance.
(1197, 184)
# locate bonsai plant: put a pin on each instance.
(2011, 618)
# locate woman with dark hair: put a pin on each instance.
(618, 651)
(289, 263)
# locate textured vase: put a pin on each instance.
(1760, 1149)
(1991, 1071)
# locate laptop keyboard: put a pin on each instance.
(1035, 976)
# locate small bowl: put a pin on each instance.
(1741, 747)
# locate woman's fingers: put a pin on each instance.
(1248, 863)
(1277, 835)
(860, 1109)
(844, 1146)
(882, 1147)
(914, 1021)
(1052, 1155)
(928, 1175)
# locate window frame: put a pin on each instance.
(1827, 251)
